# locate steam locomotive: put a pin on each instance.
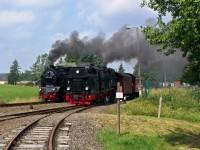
(85, 85)
(52, 84)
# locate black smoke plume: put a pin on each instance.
(125, 45)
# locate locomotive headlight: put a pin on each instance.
(86, 88)
(68, 88)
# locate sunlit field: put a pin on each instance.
(177, 103)
(178, 127)
(145, 132)
(18, 94)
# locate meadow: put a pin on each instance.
(178, 127)
(144, 132)
(18, 94)
(178, 103)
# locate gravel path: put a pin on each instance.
(100, 109)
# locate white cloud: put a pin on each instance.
(57, 36)
(20, 34)
(100, 11)
(87, 33)
(55, 18)
(114, 7)
(95, 19)
(12, 18)
(31, 3)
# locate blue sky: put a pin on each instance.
(28, 28)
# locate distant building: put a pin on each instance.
(3, 78)
(177, 83)
(3, 82)
(165, 84)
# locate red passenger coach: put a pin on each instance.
(129, 85)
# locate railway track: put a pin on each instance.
(37, 112)
(23, 104)
(41, 135)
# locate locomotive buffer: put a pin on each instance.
(119, 97)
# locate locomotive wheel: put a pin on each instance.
(107, 100)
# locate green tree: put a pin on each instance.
(121, 68)
(26, 76)
(182, 32)
(85, 59)
(14, 74)
(191, 74)
(39, 66)
(145, 75)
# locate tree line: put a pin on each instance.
(32, 74)
(181, 32)
(42, 62)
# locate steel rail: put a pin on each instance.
(14, 140)
(10, 145)
(56, 127)
(31, 113)
(23, 104)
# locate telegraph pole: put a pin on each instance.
(138, 51)
(165, 79)
(139, 67)
(139, 76)
(119, 96)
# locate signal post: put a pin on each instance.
(119, 96)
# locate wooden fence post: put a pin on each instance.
(159, 107)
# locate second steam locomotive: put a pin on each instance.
(85, 85)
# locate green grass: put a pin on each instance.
(177, 103)
(126, 141)
(141, 130)
(16, 93)
(145, 132)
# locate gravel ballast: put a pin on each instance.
(83, 133)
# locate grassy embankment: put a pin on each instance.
(177, 103)
(178, 128)
(18, 94)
